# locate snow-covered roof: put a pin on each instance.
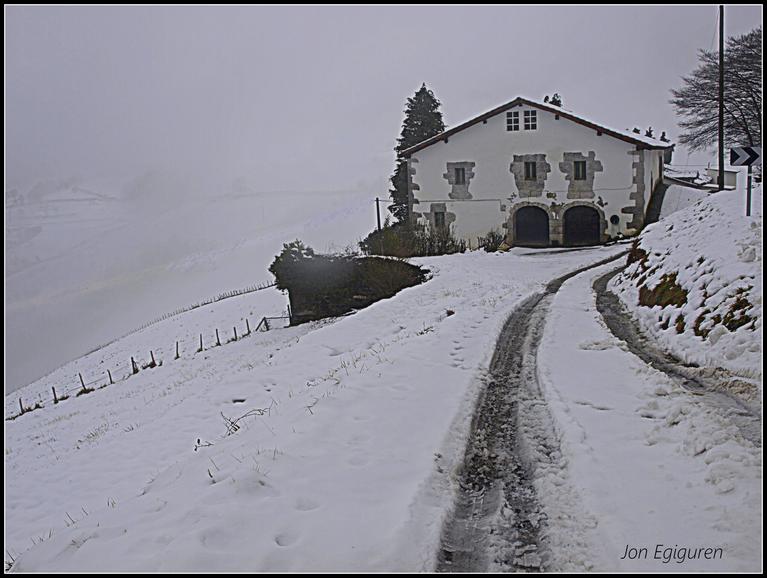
(624, 135)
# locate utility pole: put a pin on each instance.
(378, 212)
(721, 97)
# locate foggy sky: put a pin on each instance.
(311, 98)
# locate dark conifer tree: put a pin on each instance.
(423, 120)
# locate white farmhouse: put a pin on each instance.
(538, 173)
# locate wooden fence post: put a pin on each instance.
(151, 354)
(218, 341)
(199, 350)
(177, 356)
(81, 380)
(235, 333)
(21, 407)
(134, 367)
(55, 399)
(109, 373)
(247, 324)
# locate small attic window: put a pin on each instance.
(512, 120)
(531, 119)
(460, 176)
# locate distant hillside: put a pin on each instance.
(88, 262)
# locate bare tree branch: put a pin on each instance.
(697, 101)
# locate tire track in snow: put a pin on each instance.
(496, 517)
(712, 385)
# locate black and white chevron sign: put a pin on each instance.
(744, 156)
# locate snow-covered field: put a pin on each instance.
(123, 254)
(344, 462)
(715, 253)
(335, 445)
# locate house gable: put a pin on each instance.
(635, 139)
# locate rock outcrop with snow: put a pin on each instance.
(695, 283)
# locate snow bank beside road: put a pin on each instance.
(678, 197)
(707, 260)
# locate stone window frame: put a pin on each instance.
(459, 190)
(429, 218)
(530, 188)
(580, 188)
(579, 171)
(439, 220)
(512, 120)
(530, 172)
(531, 119)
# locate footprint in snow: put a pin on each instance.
(357, 461)
(596, 345)
(358, 439)
(306, 505)
(285, 539)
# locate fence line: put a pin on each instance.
(108, 379)
(217, 298)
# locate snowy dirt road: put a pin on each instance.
(588, 440)
(496, 509)
(646, 475)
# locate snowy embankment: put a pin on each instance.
(678, 197)
(644, 462)
(695, 284)
(344, 461)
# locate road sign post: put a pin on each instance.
(746, 156)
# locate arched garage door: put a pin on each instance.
(582, 226)
(531, 227)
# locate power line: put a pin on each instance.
(716, 26)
